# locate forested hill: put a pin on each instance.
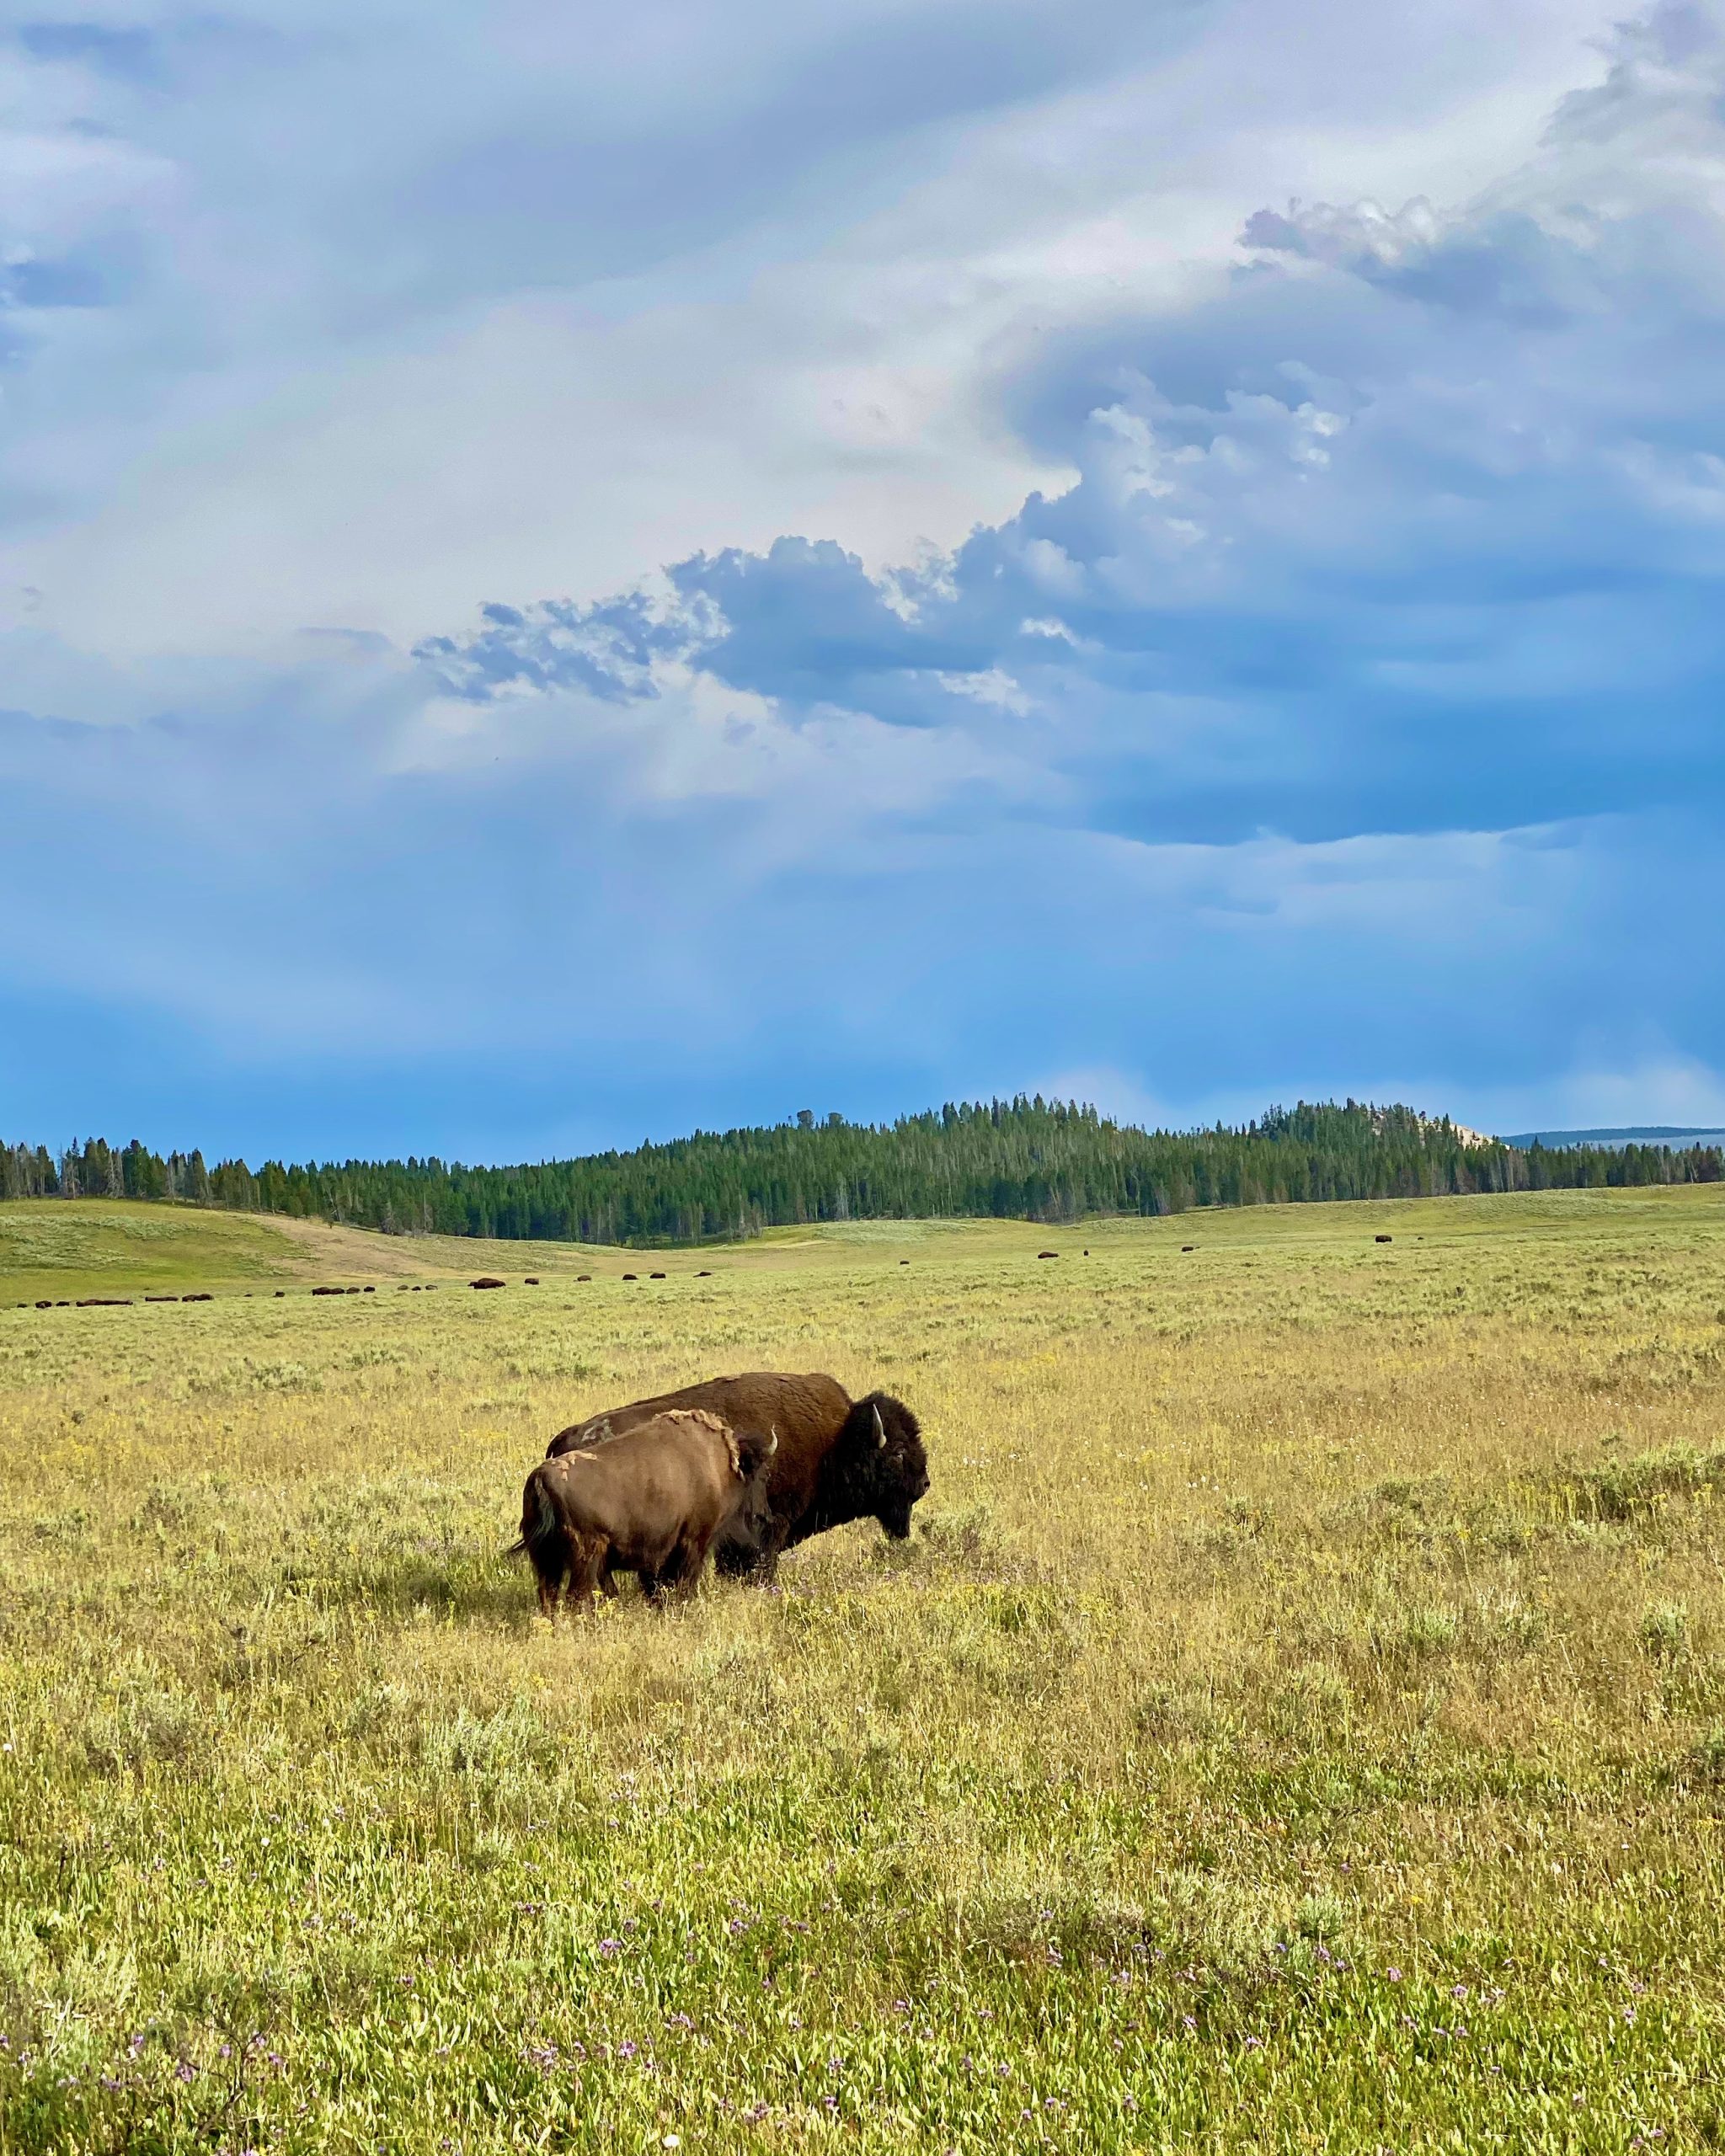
(1022, 1159)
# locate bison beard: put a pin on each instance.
(838, 1460)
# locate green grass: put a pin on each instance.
(58, 1250)
(1298, 1721)
(90, 1247)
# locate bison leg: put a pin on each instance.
(752, 1552)
(687, 1561)
(676, 1575)
(592, 1565)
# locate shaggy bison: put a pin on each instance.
(838, 1460)
(650, 1502)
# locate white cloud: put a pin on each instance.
(375, 366)
(1662, 1087)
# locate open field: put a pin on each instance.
(1298, 1721)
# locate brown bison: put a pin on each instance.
(649, 1501)
(838, 1458)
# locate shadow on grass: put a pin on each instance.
(490, 1589)
(495, 1590)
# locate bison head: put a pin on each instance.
(887, 1469)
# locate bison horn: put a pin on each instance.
(773, 1446)
(879, 1432)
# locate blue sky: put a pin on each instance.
(563, 578)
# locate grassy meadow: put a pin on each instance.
(1298, 1722)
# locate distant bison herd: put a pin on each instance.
(744, 1467)
(402, 1287)
(417, 1287)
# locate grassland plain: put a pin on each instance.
(1298, 1722)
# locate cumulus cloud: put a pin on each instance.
(403, 309)
(1395, 531)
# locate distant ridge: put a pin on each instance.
(1022, 1159)
(1641, 1133)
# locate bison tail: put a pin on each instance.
(544, 1540)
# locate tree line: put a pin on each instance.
(1022, 1159)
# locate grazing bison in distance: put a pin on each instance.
(838, 1458)
(650, 1502)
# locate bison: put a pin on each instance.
(838, 1460)
(649, 1501)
